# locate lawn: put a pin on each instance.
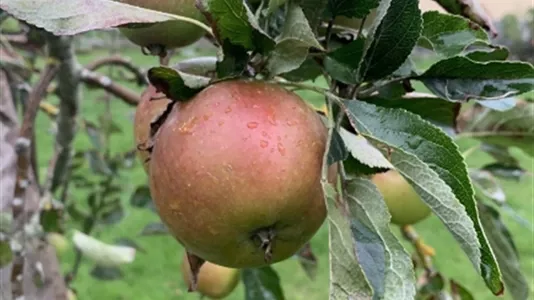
(155, 273)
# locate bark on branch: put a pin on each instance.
(62, 49)
(104, 82)
(34, 273)
(119, 61)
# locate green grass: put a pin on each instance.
(155, 273)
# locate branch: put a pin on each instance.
(23, 180)
(104, 82)
(61, 48)
(117, 60)
(424, 252)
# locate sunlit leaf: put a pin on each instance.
(76, 16)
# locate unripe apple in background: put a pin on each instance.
(171, 34)
(59, 242)
(214, 281)
(235, 173)
(404, 204)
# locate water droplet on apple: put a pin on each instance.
(252, 125)
(264, 143)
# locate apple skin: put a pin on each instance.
(171, 34)
(214, 281)
(404, 204)
(147, 111)
(238, 158)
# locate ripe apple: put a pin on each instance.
(235, 173)
(171, 34)
(214, 281)
(404, 204)
(152, 105)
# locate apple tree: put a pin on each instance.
(243, 172)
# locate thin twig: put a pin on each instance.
(362, 25)
(328, 33)
(128, 96)
(116, 60)
(423, 251)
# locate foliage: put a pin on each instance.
(375, 123)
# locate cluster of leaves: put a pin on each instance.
(376, 122)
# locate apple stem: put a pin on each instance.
(266, 237)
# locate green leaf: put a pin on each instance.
(262, 284)
(486, 185)
(338, 150)
(434, 285)
(113, 214)
(500, 105)
(387, 266)
(128, 243)
(51, 216)
(511, 128)
(505, 171)
(141, 197)
(347, 278)
(462, 79)
(393, 40)
(6, 255)
(236, 23)
(235, 60)
(292, 45)
(343, 63)
(431, 162)
(448, 35)
(97, 163)
(435, 110)
(308, 261)
(351, 8)
(156, 228)
(313, 10)
(459, 292)
(93, 132)
(308, 70)
(199, 66)
(171, 83)
(504, 249)
(106, 273)
(363, 151)
(274, 4)
(481, 51)
(76, 16)
(499, 153)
